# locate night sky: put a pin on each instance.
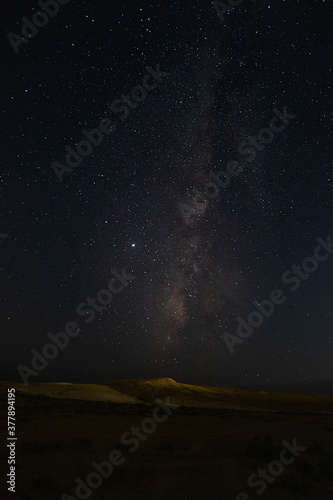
(134, 205)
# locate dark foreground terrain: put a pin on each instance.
(206, 448)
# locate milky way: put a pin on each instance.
(136, 200)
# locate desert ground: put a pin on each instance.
(209, 442)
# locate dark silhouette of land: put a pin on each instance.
(211, 441)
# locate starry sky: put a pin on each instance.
(135, 204)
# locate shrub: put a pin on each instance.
(326, 468)
(37, 447)
(44, 484)
(316, 449)
(263, 448)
